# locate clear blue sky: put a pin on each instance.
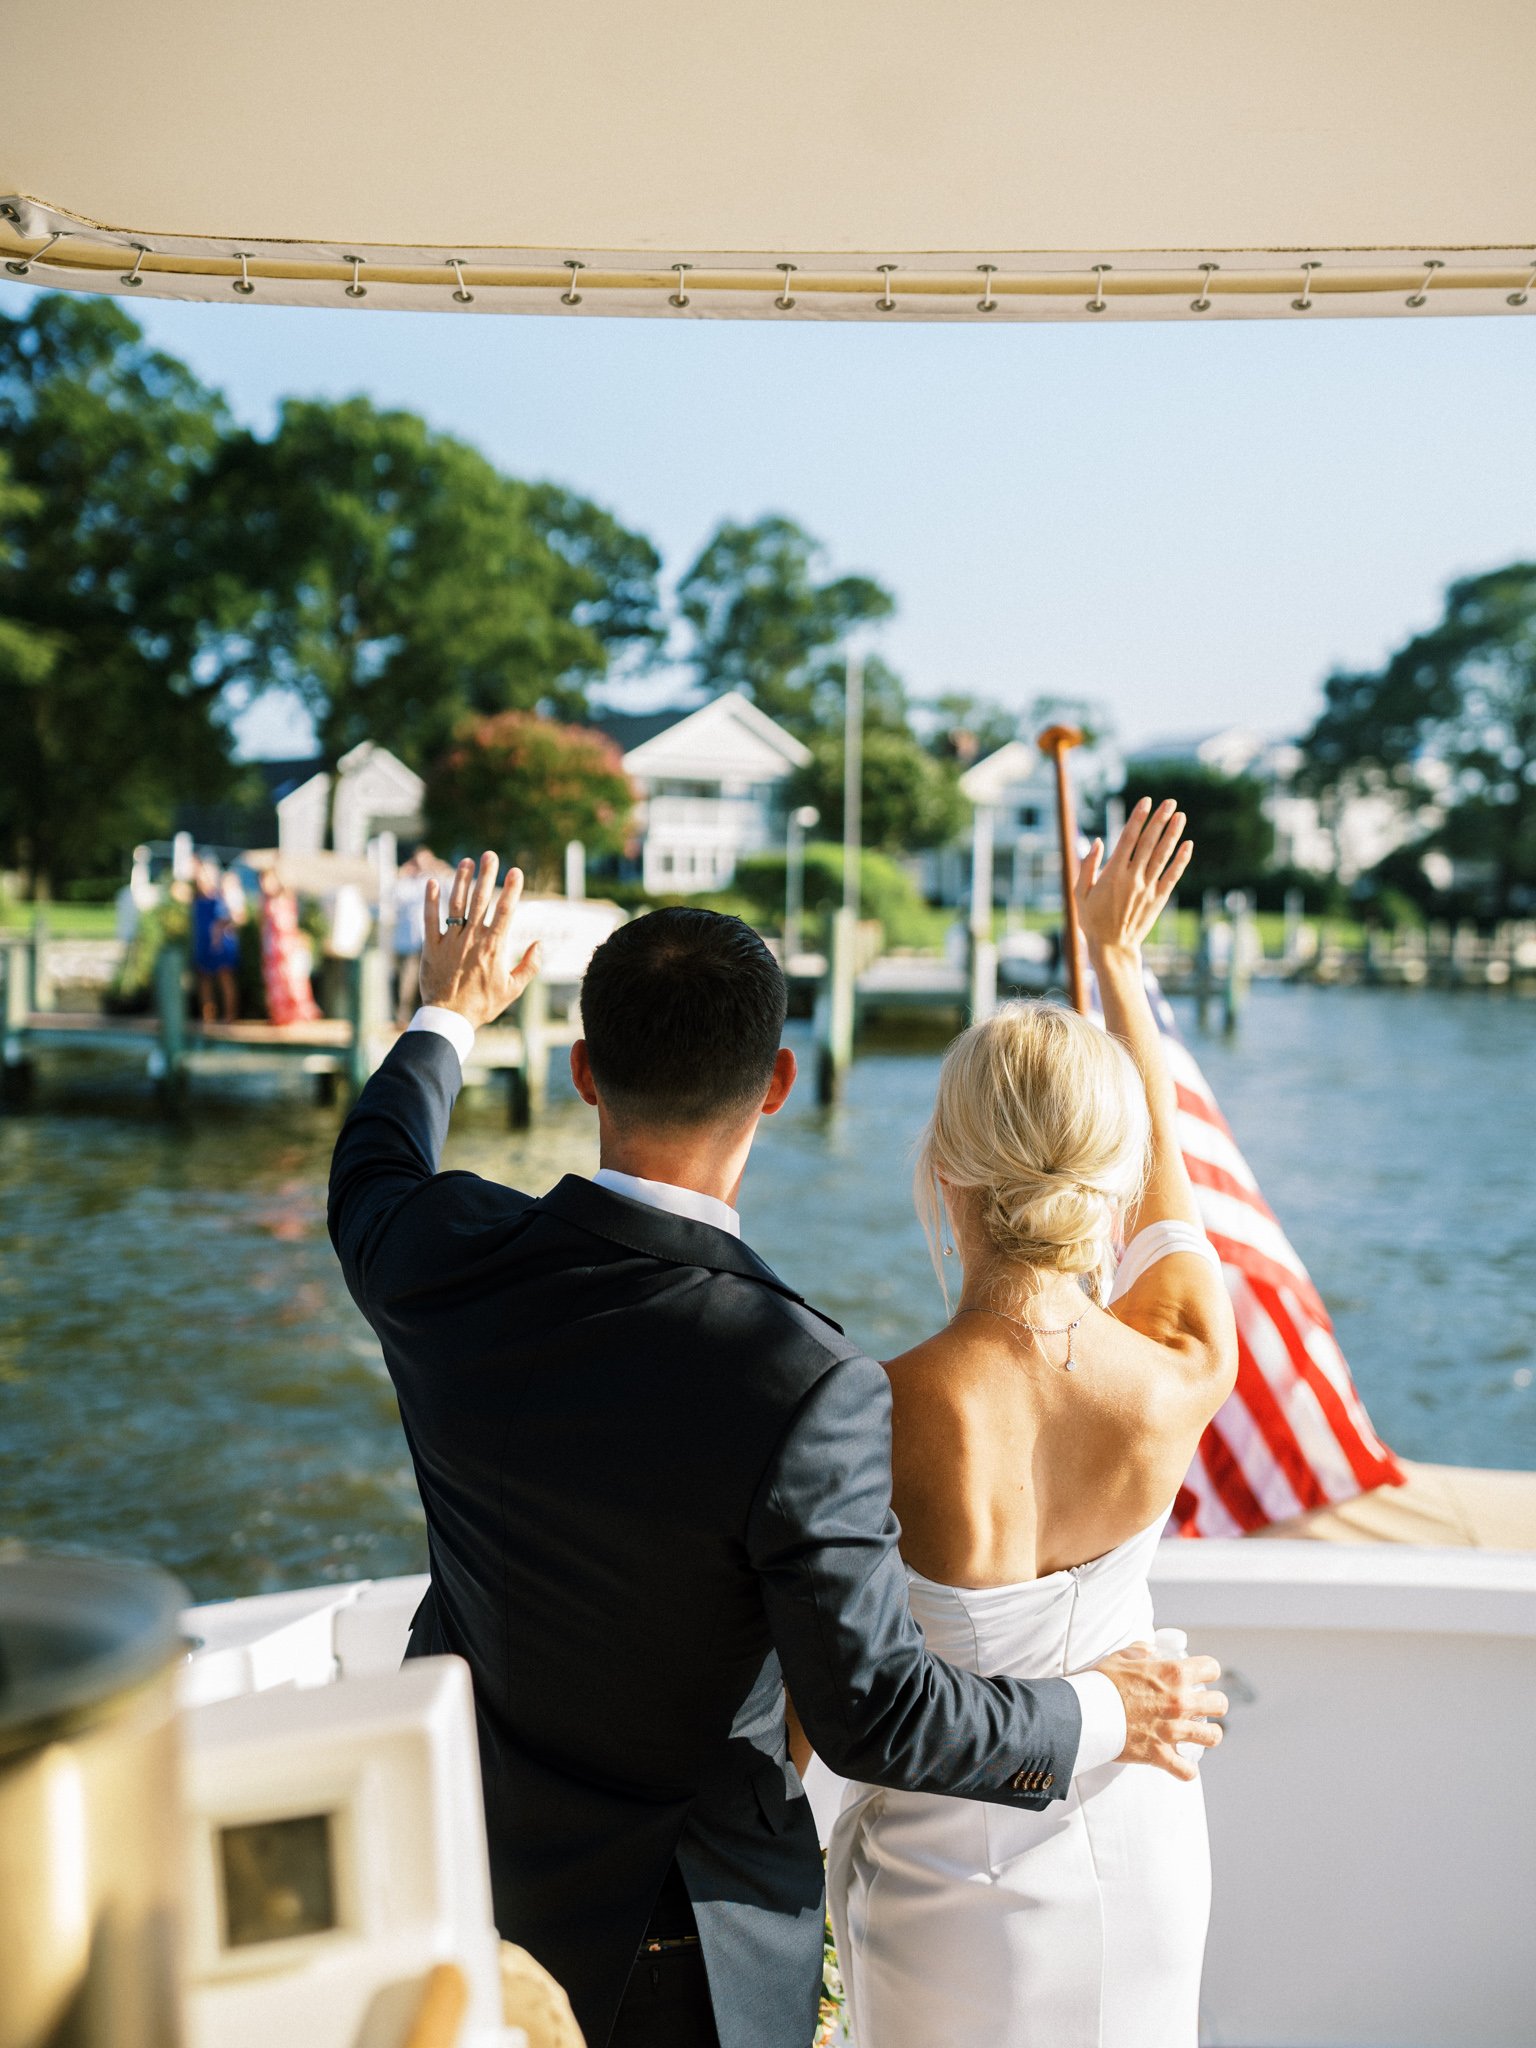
(1192, 522)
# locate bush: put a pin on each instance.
(169, 923)
(886, 892)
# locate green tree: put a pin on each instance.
(766, 620)
(403, 583)
(1451, 717)
(882, 694)
(107, 715)
(27, 652)
(526, 787)
(909, 800)
(1234, 840)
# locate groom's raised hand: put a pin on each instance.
(467, 965)
(1167, 1700)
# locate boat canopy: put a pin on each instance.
(869, 159)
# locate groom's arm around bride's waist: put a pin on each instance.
(875, 1705)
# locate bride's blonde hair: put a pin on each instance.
(1042, 1118)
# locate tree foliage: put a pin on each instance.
(27, 651)
(1451, 716)
(1234, 840)
(766, 620)
(525, 786)
(909, 800)
(400, 582)
(104, 596)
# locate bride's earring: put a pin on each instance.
(948, 1248)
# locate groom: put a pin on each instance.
(657, 1487)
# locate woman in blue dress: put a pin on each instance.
(217, 914)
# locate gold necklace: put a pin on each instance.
(1035, 1329)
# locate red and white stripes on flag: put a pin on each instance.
(1293, 1434)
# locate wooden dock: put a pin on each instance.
(175, 1049)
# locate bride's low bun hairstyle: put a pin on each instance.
(1041, 1118)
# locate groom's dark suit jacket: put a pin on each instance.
(656, 1485)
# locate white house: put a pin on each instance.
(711, 785)
(1017, 785)
(371, 792)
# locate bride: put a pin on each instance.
(1039, 1440)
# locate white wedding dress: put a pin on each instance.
(966, 1925)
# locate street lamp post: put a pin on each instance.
(800, 822)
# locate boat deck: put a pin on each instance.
(1371, 1811)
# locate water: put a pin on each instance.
(183, 1376)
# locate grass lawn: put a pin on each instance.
(64, 920)
(928, 931)
(1183, 929)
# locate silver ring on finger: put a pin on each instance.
(450, 922)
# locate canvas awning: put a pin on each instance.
(882, 159)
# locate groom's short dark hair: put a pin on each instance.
(682, 1011)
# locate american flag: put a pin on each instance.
(1293, 1434)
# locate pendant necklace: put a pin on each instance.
(1066, 1330)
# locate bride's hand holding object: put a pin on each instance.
(1167, 1700)
(1120, 899)
(467, 964)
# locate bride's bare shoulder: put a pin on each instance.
(931, 1367)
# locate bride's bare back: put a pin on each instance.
(1007, 1463)
(1007, 1466)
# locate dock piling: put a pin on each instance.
(367, 1010)
(528, 1082)
(1235, 982)
(168, 1064)
(1204, 946)
(1295, 906)
(835, 1009)
(42, 979)
(15, 1067)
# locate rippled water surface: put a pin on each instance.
(183, 1376)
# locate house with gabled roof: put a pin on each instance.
(711, 785)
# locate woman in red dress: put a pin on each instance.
(285, 955)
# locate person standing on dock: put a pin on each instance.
(218, 911)
(657, 1484)
(286, 956)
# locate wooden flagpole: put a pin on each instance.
(1056, 742)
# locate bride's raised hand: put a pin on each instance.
(1120, 899)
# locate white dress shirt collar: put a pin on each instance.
(660, 1194)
